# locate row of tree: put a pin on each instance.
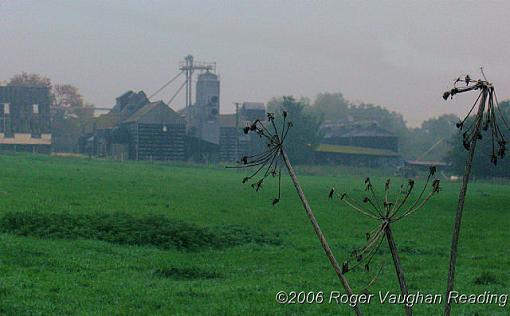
(430, 141)
(436, 138)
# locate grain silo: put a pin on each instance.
(207, 107)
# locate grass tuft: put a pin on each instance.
(186, 273)
(486, 278)
(126, 229)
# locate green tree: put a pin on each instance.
(482, 167)
(305, 134)
(332, 106)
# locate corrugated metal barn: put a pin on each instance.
(359, 144)
(137, 129)
(156, 132)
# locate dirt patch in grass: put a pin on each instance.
(126, 229)
(186, 274)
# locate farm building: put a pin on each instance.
(25, 119)
(229, 137)
(234, 143)
(154, 132)
(137, 129)
(360, 144)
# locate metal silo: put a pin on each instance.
(208, 107)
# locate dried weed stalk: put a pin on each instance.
(386, 212)
(488, 117)
(269, 164)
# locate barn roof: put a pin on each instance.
(155, 113)
(372, 131)
(104, 121)
(426, 163)
(352, 150)
(356, 130)
(108, 120)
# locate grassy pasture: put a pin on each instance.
(239, 251)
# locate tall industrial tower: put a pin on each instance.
(207, 107)
(188, 66)
(203, 115)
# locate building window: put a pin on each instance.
(8, 132)
(6, 121)
(35, 108)
(165, 129)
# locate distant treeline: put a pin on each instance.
(482, 166)
(430, 141)
(436, 138)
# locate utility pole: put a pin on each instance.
(237, 128)
(187, 67)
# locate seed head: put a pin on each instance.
(267, 163)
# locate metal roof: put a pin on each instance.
(165, 115)
(356, 131)
(353, 150)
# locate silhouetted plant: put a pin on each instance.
(386, 212)
(488, 117)
(269, 164)
(490, 120)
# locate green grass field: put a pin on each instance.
(88, 237)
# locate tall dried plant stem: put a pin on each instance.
(460, 205)
(318, 230)
(398, 267)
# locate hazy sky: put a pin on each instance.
(398, 54)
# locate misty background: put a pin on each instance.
(400, 55)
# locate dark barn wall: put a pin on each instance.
(153, 142)
(228, 144)
(379, 142)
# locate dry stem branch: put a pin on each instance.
(398, 267)
(462, 197)
(318, 230)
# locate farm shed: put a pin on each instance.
(137, 129)
(233, 142)
(97, 139)
(356, 156)
(360, 134)
(155, 132)
(25, 119)
(229, 137)
(357, 143)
